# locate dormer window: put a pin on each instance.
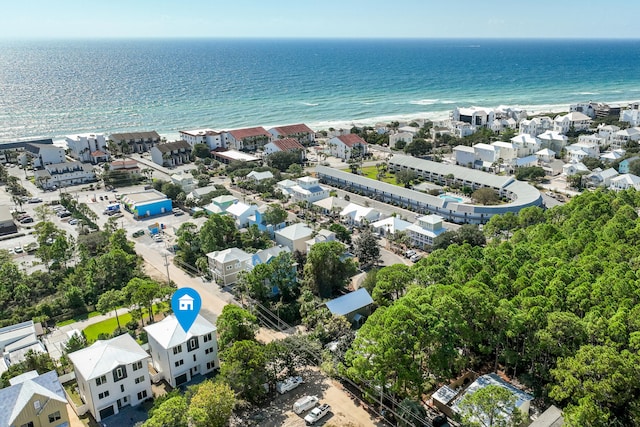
(192, 344)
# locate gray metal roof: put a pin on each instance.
(14, 398)
(482, 178)
(350, 302)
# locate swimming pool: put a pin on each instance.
(450, 198)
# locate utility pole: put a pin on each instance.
(166, 264)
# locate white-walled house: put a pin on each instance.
(406, 137)
(573, 168)
(172, 153)
(184, 180)
(546, 155)
(605, 131)
(259, 176)
(580, 150)
(44, 154)
(354, 214)
(553, 140)
(309, 190)
(525, 144)
(347, 146)
(112, 374)
(212, 138)
(575, 120)
(60, 175)
(425, 230)
(624, 182)
(178, 355)
(601, 178)
(536, 125)
(507, 151)
(88, 147)
(475, 116)
(486, 153)
(241, 212)
(631, 115)
(464, 155)
(621, 138)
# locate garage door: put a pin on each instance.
(181, 379)
(106, 412)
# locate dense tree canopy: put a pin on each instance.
(327, 269)
(554, 299)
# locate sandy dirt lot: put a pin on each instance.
(345, 412)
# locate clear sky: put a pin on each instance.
(319, 18)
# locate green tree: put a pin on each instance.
(75, 343)
(110, 300)
(411, 413)
(530, 173)
(244, 368)
(282, 160)
(235, 324)
(295, 169)
(405, 176)
(342, 234)
(211, 405)
(143, 292)
(218, 233)
(491, 406)
(275, 214)
(366, 248)
(391, 283)
(418, 147)
(485, 196)
(201, 151)
(170, 413)
(326, 270)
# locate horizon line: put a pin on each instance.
(302, 38)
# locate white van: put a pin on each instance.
(304, 404)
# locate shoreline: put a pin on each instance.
(318, 126)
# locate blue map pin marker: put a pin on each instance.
(186, 303)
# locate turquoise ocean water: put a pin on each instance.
(55, 88)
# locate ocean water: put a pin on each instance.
(59, 87)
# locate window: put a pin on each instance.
(54, 417)
(194, 357)
(179, 362)
(207, 338)
(177, 349)
(29, 424)
(211, 365)
(36, 405)
(101, 380)
(122, 388)
(142, 395)
(103, 394)
(139, 379)
(119, 373)
(229, 267)
(209, 350)
(192, 344)
(137, 365)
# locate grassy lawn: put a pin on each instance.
(78, 318)
(109, 325)
(372, 172)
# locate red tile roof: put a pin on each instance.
(98, 153)
(287, 144)
(240, 134)
(351, 139)
(293, 129)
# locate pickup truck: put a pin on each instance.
(288, 384)
(317, 414)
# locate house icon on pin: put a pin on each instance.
(185, 303)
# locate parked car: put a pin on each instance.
(138, 233)
(288, 384)
(304, 404)
(18, 249)
(317, 414)
(64, 214)
(30, 247)
(178, 212)
(26, 220)
(35, 200)
(410, 253)
(101, 198)
(157, 238)
(73, 221)
(415, 258)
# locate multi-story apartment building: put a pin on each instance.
(178, 355)
(135, 142)
(88, 147)
(112, 374)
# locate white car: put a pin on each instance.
(157, 238)
(73, 221)
(317, 414)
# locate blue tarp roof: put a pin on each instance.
(350, 302)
